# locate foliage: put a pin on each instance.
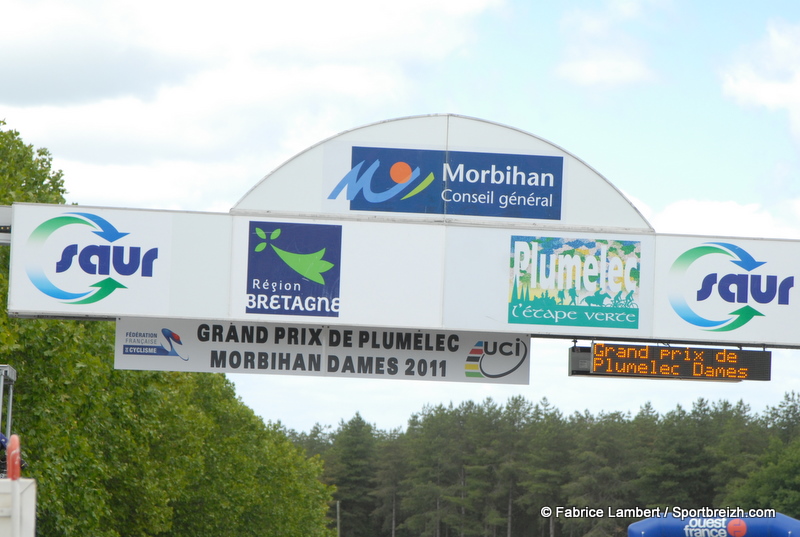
(25, 172)
(146, 453)
(488, 469)
(776, 483)
(139, 453)
(351, 466)
(774, 479)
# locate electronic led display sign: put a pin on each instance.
(650, 361)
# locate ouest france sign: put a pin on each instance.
(445, 226)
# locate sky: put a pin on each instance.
(691, 109)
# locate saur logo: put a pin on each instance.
(727, 285)
(84, 273)
(293, 269)
(492, 359)
(149, 344)
(452, 182)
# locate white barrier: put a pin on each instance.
(26, 509)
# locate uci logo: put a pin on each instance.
(100, 263)
(736, 288)
(492, 359)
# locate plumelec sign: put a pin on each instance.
(574, 282)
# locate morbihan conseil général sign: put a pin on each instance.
(348, 352)
(453, 182)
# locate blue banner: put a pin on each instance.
(453, 182)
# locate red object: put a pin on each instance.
(13, 457)
(737, 527)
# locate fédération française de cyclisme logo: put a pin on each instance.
(736, 289)
(558, 281)
(452, 182)
(148, 343)
(85, 261)
(293, 269)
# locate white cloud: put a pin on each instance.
(727, 219)
(769, 74)
(269, 32)
(159, 84)
(362, 28)
(600, 52)
(165, 185)
(605, 68)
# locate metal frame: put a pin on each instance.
(8, 375)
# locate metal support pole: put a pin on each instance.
(8, 375)
(2, 386)
(10, 405)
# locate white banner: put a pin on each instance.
(111, 263)
(727, 290)
(349, 352)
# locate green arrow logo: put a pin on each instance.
(743, 316)
(104, 288)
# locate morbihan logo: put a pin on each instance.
(725, 294)
(400, 173)
(105, 260)
(396, 180)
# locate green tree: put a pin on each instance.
(435, 448)
(474, 495)
(351, 468)
(392, 467)
(678, 471)
(138, 453)
(512, 440)
(315, 442)
(253, 480)
(775, 484)
(772, 478)
(739, 439)
(546, 462)
(26, 174)
(783, 420)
